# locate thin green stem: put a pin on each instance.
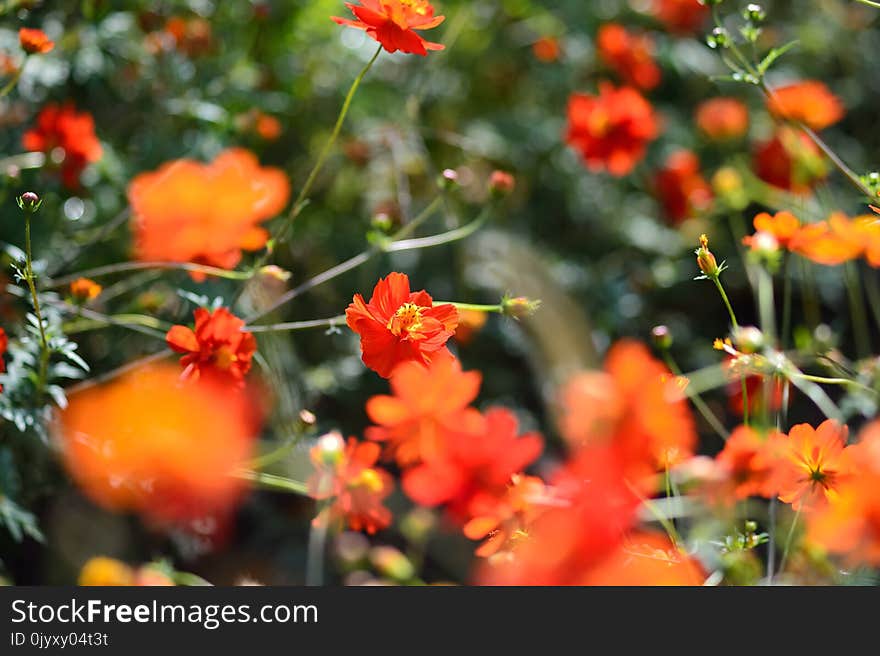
(701, 406)
(273, 482)
(870, 3)
(724, 298)
(29, 274)
(317, 546)
(299, 325)
(472, 306)
(9, 86)
(786, 300)
(856, 309)
(788, 541)
(122, 267)
(822, 380)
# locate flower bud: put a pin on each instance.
(754, 13)
(518, 307)
(448, 179)
(83, 290)
(330, 449)
(275, 272)
(706, 260)
(748, 339)
(501, 183)
(662, 337)
(29, 202)
(718, 39)
(751, 526)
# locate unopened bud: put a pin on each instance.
(449, 178)
(29, 202)
(518, 307)
(751, 526)
(501, 183)
(706, 260)
(662, 337)
(83, 289)
(330, 449)
(754, 13)
(748, 339)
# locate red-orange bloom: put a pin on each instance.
(83, 289)
(680, 16)
(611, 131)
(850, 523)
(471, 478)
(393, 23)
(646, 559)
(784, 226)
(748, 462)
(186, 211)
(34, 41)
(470, 322)
(634, 406)
(808, 102)
(682, 190)
(832, 242)
(546, 49)
(629, 54)
(145, 443)
(217, 348)
(398, 325)
(427, 403)
(790, 160)
(62, 127)
(346, 473)
(812, 464)
(722, 119)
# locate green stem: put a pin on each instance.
(273, 482)
(29, 274)
(299, 325)
(472, 306)
(724, 298)
(837, 381)
(870, 3)
(788, 541)
(786, 300)
(9, 86)
(701, 406)
(856, 308)
(122, 267)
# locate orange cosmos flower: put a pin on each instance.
(722, 119)
(398, 325)
(546, 49)
(393, 23)
(472, 475)
(34, 41)
(629, 54)
(208, 213)
(427, 403)
(682, 190)
(680, 16)
(470, 322)
(83, 289)
(631, 405)
(346, 473)
(218, 347)
(808, 102)
(62, 127)
(611, 131)
(790, 160)
(784, 226)
(646, 559)
(812, 464)
(850, 523)
(831, 242)
(144, 443)
(103, 571)
(748, 463)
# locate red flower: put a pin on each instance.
(218, 347)
(680, 16)
(34, 42)
(399, 326)
(471, 478)
(790, 160)
(808, 102)
(345, 473)
(393, 23)
(428, 402)
(682, 190)
(723, 119)
(630, 55)
(611, 131)
(72, 132)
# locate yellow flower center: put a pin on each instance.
(224, 358)
(418, 6)
(370, 479)
(407, 319)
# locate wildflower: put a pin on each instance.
(501, 183)
(748, 463)
(722, 119)
(143, 443)
(850, 523)
(427, 403)
(83, 289)
(831, 242)
(646, 558)
(812, 464)
(790, 160)
(682, 190)
(34, 42)
(680, 16)
(706, 259)
(611, 131)
(346, 476)
(808, 102)
(393, 23)
(399, 326)
(472, 475)
(546, 49)
(470, 322)
(72, 133)
(519, 307)
(629, 54)
(186, 211)
(782, 226)
(217, 347)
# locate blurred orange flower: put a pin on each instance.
(83, 289)
(850, 523)
(812, 464)
(472, 475)
(748, 462)
(470, 322)
(546, 49)
(680, 16)
(790, 160)
(398, 325)
(831, 242)
(629, 54)
(722, 119)
(646, 559)
(784, 226)
(103, 571)
(632, 406)
(346, 474)
(34, 41)
(145, 443)
(207, 213)
(217, 347)
(192, 36)
(681, 189)
(393, 23)
(427, 403)
(611, 131)
(62, 127)
(808, 102)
